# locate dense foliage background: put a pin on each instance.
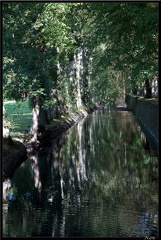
(67, 56)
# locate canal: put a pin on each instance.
(96, 180)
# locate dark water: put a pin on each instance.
(97, 180)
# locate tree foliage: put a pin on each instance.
(75, 54)
(129, 32)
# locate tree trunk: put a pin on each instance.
(148, 85)
(35, 118)
(78, 77)
(39, 119)
(6, 133)
(42, 121)
(72, 80)
(86, 93)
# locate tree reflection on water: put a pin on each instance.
(96, 180)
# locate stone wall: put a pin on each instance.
(147, 113)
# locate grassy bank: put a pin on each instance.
(19, 116)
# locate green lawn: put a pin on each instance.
(19, 114)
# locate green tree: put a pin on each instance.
(65, 56)
(31, 63)
(129, 32)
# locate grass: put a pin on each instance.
(154, 100)
(56, 121)
(19, 115)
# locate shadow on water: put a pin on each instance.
(97, 180)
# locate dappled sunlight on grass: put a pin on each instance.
(19, 114)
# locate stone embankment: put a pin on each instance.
(147, 113)
(51, 134)
(16, 153)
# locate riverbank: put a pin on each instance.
(146, 112)
(51, 134)
(16, 153)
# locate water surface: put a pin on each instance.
(97, 180)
